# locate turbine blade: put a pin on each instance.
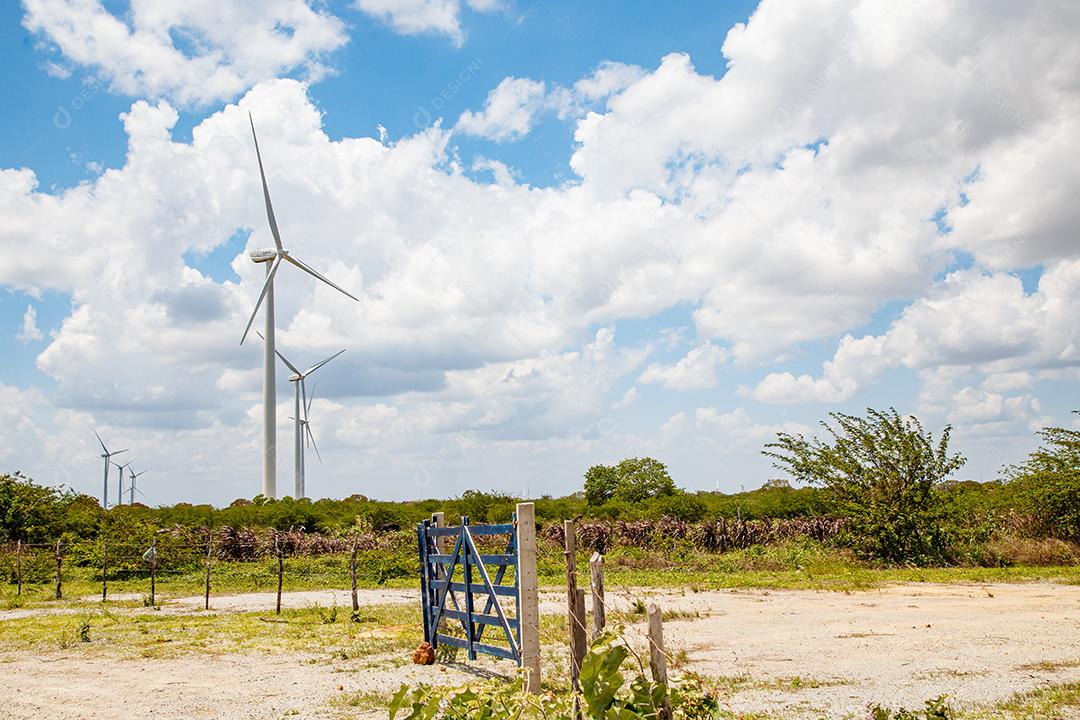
(303, 393)
(103, 448)
(307, 408)
(119, 451)
(278, 353)
(311, 271)
(313, 445)
(266, 287)
(318, 365)
(266, 190)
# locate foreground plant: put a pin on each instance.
(607, 693)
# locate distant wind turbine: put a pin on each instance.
(131, 485)
(120, 484)
(273, 259)
(108, 459)
(300, 416)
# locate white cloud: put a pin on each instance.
(193, 52)
(971, 320)
(414, 17)
(784, 204)
(695, 371)
(508, 113)
(30, 330)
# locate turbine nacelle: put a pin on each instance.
(261, 256)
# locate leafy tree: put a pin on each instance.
(1048, 482)
(883, 473)
(600, 484)
(632, 480)
(34, 513)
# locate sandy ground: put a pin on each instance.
(898, 645)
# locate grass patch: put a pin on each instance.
(1041, 704)
(385, 630)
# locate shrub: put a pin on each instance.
(605, 693)
(882, 473)
(1048, 483)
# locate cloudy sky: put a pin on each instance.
(578, 232)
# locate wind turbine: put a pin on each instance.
(273, 259)
(300, 421)
(132, 474)
(120, 485)
(108, 458)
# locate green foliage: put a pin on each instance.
(632, 480)
(606, 694)
(34, 513)
(1048, 483)
(884, 474)
(935, 709)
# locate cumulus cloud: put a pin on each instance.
(971, 320)
(695, 371)
(508, 113)
(193, 52)
(414, 17)
(784, 204)
(30, 330)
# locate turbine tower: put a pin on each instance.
(108, 459)
(300, 417)
(272, 258)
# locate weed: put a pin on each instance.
(83, 631)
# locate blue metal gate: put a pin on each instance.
(438, 584)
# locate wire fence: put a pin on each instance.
(187, 561)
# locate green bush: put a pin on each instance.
(884, 474)
(1048, 483)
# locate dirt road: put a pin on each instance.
(794, 654)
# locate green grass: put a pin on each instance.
(796, 565)
(1042, 704)
(157, 633)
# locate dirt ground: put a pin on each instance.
(795, 654)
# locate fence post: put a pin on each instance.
(527, 587)
(18, 566)
(576, 629)
(209, 559)
(657, 657)
(59, 588)
(104, 570)
(280, 570)
(153, 572)
(599, 613)
(352, 574)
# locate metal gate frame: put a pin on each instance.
(437, 584)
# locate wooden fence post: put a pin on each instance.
(280, 570)
(153, 572)
(575, 626)
(59, 588)
(209, 559)
(657, 658)
(18, 566)
(104, 570)
(599, 613)
(530, 602)
(352, 574)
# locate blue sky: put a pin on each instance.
(581, 231)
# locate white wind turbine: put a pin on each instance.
(108, 459)
(300, 416)
(131, 485)
(273, 259)
(120, 484)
